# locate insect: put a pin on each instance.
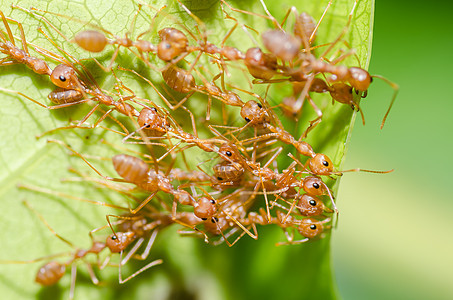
(51, 272)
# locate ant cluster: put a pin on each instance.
(254, 173)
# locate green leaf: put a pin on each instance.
(251, 269)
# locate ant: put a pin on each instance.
(51, 272)
(95, 40)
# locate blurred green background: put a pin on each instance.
(394, 239)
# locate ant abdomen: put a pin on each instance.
(319, 86)
(173, 35)
(91, 40)
(304, 27)
(50, 273)
(283, 45)
(341, 92)
(260, 65)
(130, 168)
(226, 171)
(178, 79)
(61, 96)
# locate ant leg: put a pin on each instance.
(143, 203)
(73, 281)
(10, 35)
(312, 36)
(345, 29)
(396, 88)
(60, 194)
(8, 29)
(147, 250)
(151, 264)
(269, 16)
(314, 122)
(83, 158)
(132, 251)
(41, 218)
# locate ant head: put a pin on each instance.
(310, 206)
(154, 124)
(359, 79)
(50, 273)
(167, 50)
(216, 225)
(254, 113)
(173, 43)
(91, 40)
(65, 77)
(310, 228)
(130, 168)
(205, 208)
(117, 242)
(229, 152)
(342, 93)
(320, 164)
(282, 44)
(313, 185)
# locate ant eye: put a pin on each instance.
(325, 163)
(247, 119)
(316, 185)
(212, 201)
(259, 105)
(214, 219)
(147, 125)
(167, 45)
(312, 202)
(219, 178)
(113, 237)
(204, 219)
(229, 153)
(154, 109)
(62, 78)
(313, 226)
